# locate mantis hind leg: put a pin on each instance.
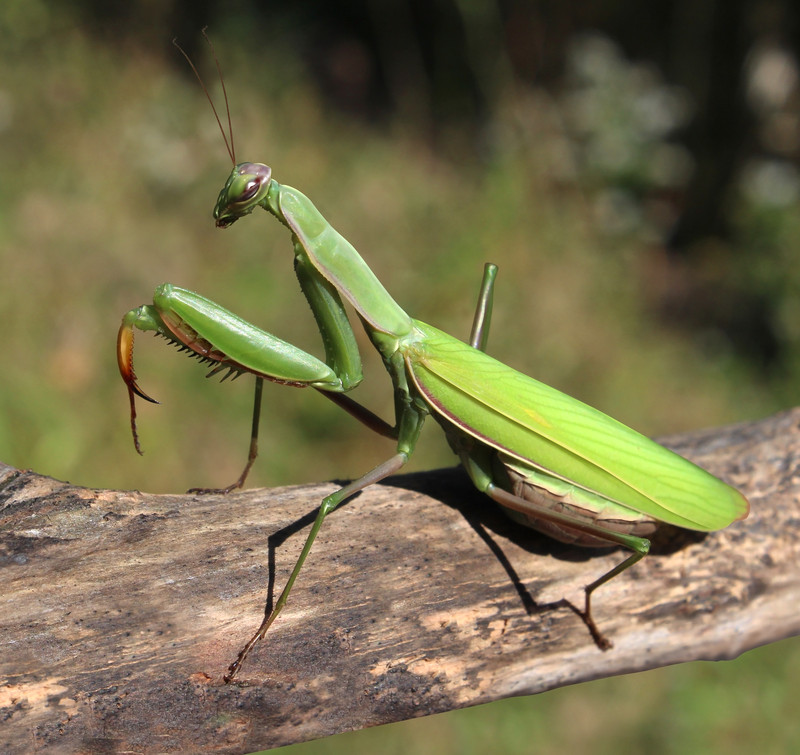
(476, 463)
(479, 334)
(477, 460)
(639, 545)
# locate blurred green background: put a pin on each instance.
(635, 178)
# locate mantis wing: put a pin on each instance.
(564, 437)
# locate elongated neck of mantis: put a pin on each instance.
(335, 259)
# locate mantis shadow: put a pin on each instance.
(453, 488)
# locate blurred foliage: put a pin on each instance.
(111, 162)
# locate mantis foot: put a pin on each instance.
(214, 491)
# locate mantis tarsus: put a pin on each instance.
(552, 462)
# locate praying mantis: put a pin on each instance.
(550, 461)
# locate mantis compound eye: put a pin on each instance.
(248, 181)
(250, 190)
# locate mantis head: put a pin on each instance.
(246, 187)
(248, 183)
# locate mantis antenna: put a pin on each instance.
(228, 139)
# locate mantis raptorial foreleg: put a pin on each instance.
(180, 316)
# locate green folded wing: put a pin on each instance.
(565, 437)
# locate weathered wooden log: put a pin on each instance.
(121, 610)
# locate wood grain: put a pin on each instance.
(121, 610)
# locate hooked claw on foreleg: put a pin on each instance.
(125, 362)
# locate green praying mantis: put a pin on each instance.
(552, 462)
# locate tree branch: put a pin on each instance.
(122, 610)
